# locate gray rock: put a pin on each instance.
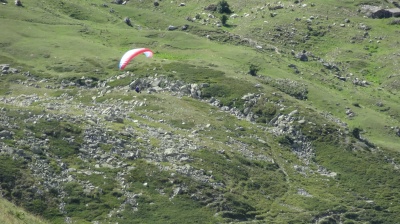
(302, 56)
(171, 27)
(6, 134)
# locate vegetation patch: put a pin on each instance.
(193, 74)
(58, 132)
(293, 88)
(155, 202)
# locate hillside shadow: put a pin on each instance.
(230, 26)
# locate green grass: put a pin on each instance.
(66, 40)
(15, 215)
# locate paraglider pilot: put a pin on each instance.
(137, 89)
(128, 21)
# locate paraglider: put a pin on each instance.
(129, 55)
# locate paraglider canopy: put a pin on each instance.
(129, 55)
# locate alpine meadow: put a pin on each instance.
(229, 111)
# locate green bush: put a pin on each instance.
(215, 90)
(264, 111)
(9, 174)
(36, 206)
(351, 215)
(285, 140)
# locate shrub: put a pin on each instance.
(36, 206)
(265, 111)
(215, 91)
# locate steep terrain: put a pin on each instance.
(256, 112)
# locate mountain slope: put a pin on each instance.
(287, 114)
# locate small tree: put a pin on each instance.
(253, 70)
(223, 7)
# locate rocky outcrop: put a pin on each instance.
(377, 12)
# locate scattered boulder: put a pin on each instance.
(395, 12)
(185, 27)
(376, 12)
(18, 3)
(303, 192)
(330, 66)
(6, 134)
(211, 7)
(362, 26)
(341, 77)
(397, 130)
(349, 112)
(171, 27)
(119, 2)
(6, 69)
(294, 68)
(302, 56)
(394, 22)
(275, 7)
(360, 82)
(233, 16)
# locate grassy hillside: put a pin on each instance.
(287, 113)
(14, 215)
